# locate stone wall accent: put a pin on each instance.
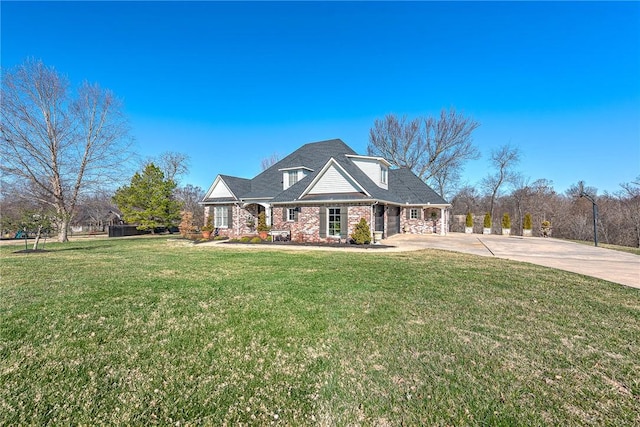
(427, 225)
(241, 216)
(245, 221)
(307, 227)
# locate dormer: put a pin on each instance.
(376, 168)
(292, 175)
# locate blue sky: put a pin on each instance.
(231, 83)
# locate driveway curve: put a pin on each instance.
(614, 266)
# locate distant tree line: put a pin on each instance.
(571, 216)
(436, 149)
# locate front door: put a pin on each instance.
(393, 220)
(379, 216)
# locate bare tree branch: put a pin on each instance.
(57, 144)
(503, 159)
(267, 162)
(435, 149)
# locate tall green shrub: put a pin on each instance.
(528, 224)
(469, 220)
(506, 221)
(262, 223)
(362, 233)
(487, 220)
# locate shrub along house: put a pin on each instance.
(320, 192)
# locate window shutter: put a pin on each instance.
(407, 212)
(344, 223)
(420, 211)
(285, 214)
(295, 214)
(323, 221)
(230, 216)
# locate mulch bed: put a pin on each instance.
(310, 244)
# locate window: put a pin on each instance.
(334, 222)
(221, 217)
(291, 214)
(293, 177)
(383, 174)
(414, 214)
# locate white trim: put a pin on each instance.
(215, 182)
(296, 168)
(339, 208)
(224, 217)
(380, 159)
(357, 201)
(289, 211)
(324, 170)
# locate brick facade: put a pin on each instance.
(427, 224)
(307, 226)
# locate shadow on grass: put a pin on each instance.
(75, 248)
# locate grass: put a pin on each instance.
(145, 331)
(628, 249)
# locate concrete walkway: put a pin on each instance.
(614, 266)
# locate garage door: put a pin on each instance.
(393, 220)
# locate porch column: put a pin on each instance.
(443, 221)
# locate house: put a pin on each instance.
(320, 192)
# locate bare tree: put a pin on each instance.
(630, 203)
(190, 196)
(267, 162)
(173, 164)
(503, 159)
(57, 144)
(435, 149)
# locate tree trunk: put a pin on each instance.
(63, 230)
(37, 240)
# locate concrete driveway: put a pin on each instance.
(607, 264)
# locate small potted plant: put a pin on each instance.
(207, 229)
(545, 229)
(487, 224)
(262, 228)
(506, 225)
(527, 226)
(468, 223)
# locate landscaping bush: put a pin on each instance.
(469, 220)
(362, 233)
(186, 226)
(506, 221)
(527, 225)
(487, 220)
(256, 240)
(262, 223)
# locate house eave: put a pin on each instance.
(377, 158)
(313, 202)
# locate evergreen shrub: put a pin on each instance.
(362, 233)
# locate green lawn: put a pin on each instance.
(148, 331)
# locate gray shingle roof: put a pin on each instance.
(313, 156)
(404, 186)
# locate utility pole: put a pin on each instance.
(595, 216)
